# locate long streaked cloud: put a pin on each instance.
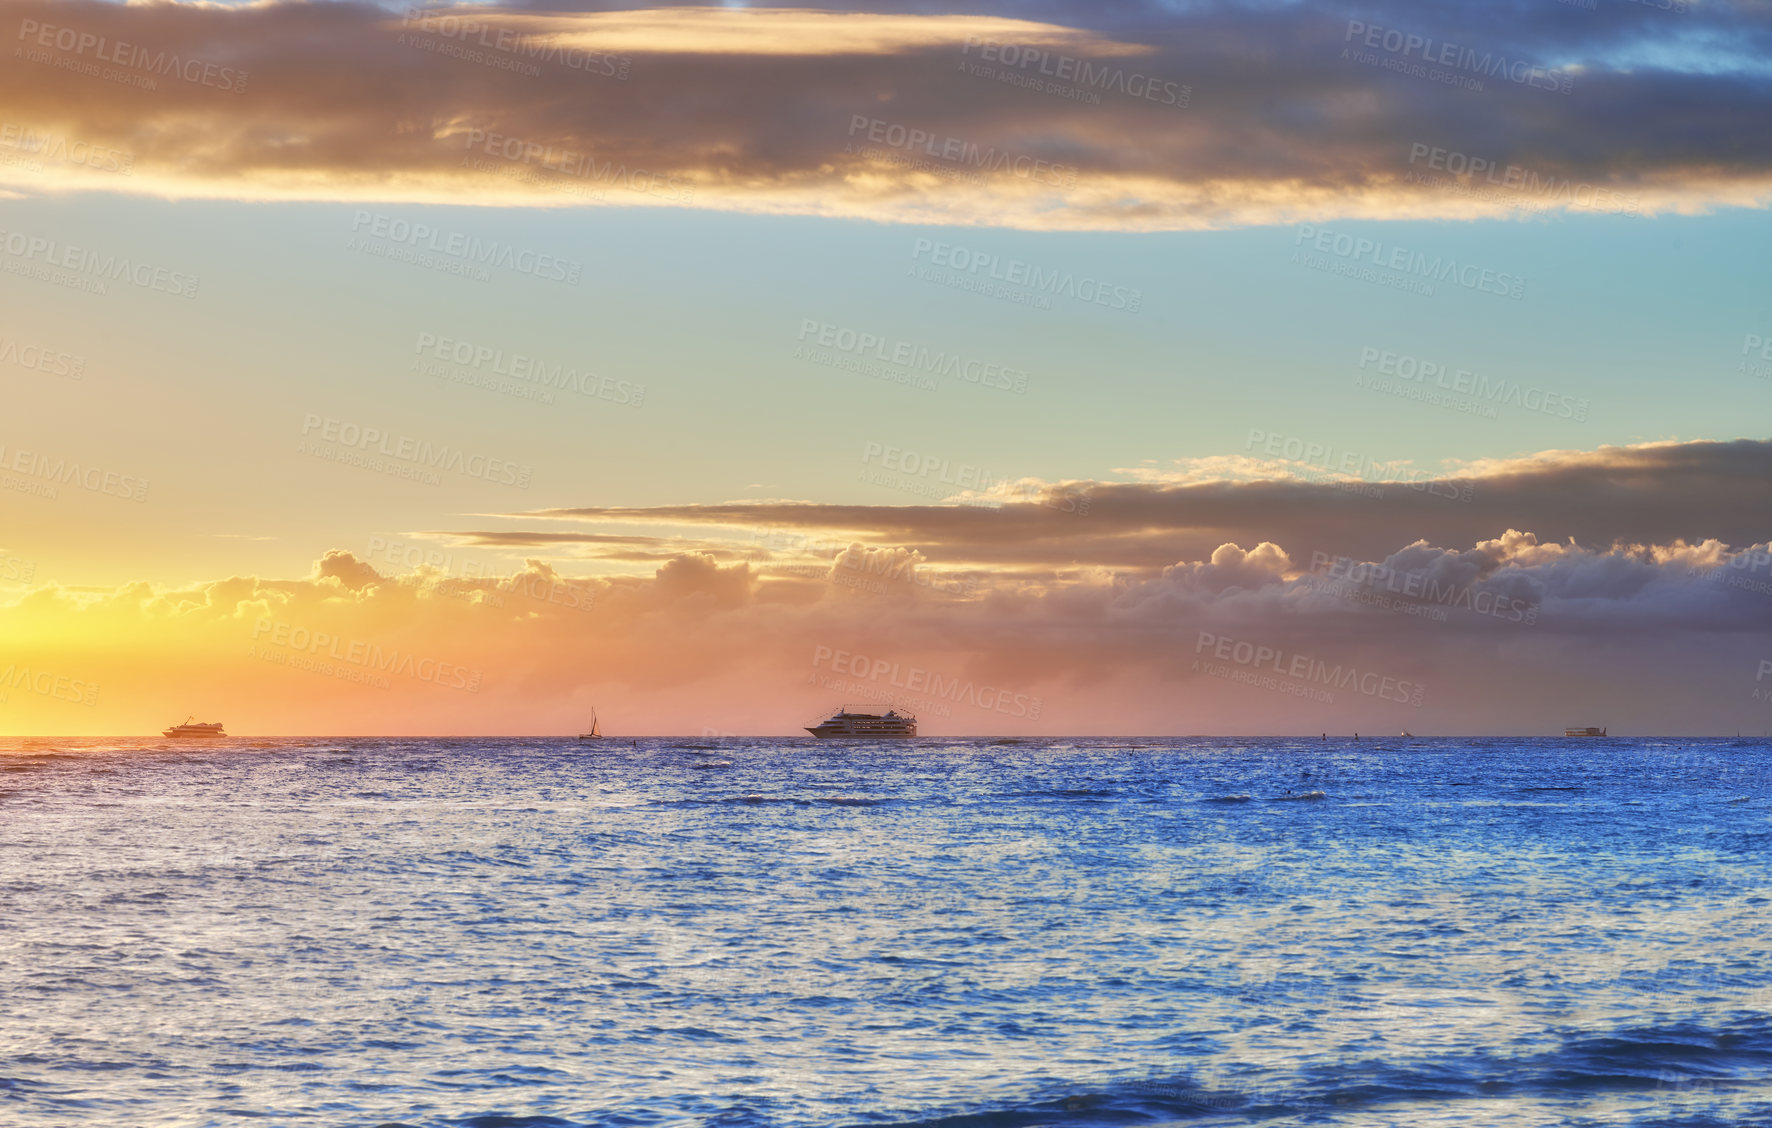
(1655, 493)
(758, 109)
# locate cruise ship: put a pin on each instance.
(189, 729)
(865, 723)
(1588, 731)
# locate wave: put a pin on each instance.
(815, 801)
(1715, 1064)
(1068, 793)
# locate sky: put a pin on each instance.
(1040, 368)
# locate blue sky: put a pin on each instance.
(1643, 319)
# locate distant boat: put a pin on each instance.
(595, 733)
(1407, 735)
(189, 729)
(1588, 731)
(865, 724)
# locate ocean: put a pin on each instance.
(970, 934)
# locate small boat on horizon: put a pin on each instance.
(190, 729)
(891, 724)
(596, 733)
(1587, 731)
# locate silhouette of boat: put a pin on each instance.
(189, 729)
(595, 733)
(1588, 731)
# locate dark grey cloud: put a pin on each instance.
(756, 109)
(1658, 494)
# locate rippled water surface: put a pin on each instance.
(542, 933)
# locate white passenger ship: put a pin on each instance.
(865, 723)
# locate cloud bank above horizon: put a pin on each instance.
(1268, 631)
(1128, 117)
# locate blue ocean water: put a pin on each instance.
(973, 934)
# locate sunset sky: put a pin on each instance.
(1125, 367)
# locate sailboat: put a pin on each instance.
(595, 733)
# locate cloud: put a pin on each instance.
(1655, 493)
(1508, 634)
(1113, 117)
(777, 32)
(1510, 630)
(346, 569)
